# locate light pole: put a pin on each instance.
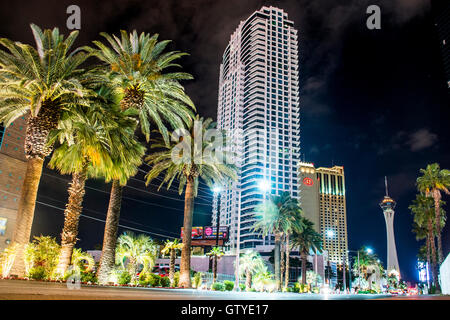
(216, 191)
(330, 234)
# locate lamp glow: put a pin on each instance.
(369, 250)
(264, 185)
(217, 189)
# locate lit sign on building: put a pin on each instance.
(424, 275)
(308, 181)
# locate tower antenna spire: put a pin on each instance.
(386, 186)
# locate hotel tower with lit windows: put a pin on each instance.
(322, 198)
(258, 106)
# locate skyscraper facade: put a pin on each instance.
(333, 212)
(13, 165)
(258, 106)
(322, 199)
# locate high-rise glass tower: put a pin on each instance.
(258, 106)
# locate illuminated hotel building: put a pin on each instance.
(322, 198)
(258, 106)
(13, 166)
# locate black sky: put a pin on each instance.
(374, 101)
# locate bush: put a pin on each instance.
(176, 278)
(218, 286)
(89, 277)
(197, 280)
(242, 287)
(42, 252)
(38, 273)
(124, 278)
(154, 280)
(229, 285)
(164, 281)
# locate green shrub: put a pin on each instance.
(218, 286)
(38, 273)
(242, 286)
(88, 276)
(164, 281)
(197, 280)
(229, 285)
(124, 278)
(154, 280)
(252, 290)
(176, 278)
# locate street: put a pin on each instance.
(35, 290)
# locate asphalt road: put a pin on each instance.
(36, 290)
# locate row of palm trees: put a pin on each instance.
(281, 216)
(91, 113)
(429, 216)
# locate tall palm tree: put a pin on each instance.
(87, 150)
(431, 183)
(134, 65)
(308, 240)
(188, 162)
(279, 215)
(171, 248)
(216, 253)
(135, 251)
(45, 82)
(424, 227)
(250, 263)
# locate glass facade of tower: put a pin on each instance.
(259, 107)
(333, 212)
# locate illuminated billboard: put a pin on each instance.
(208, 233)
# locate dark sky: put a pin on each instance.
(374, 101)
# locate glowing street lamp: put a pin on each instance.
(330, 233)
(369, 250)
(264, 186)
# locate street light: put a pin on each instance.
(369, 250)
(264, 185)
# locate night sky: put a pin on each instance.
(374, 101)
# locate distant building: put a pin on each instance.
(13, 165)
(309, 193)
(322, 199)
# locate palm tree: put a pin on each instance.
(87, 150)
(136, 250)
(431, 183)
(134, 66)
(171, 248)
(196, 162)
(45, 82)
(216, 253)
(424, 227)
(307, 240)
(250, 263)
(280, 215)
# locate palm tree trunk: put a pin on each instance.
(437, 210)
(282, 264)
(303, 255)
(434, 269)
(25, 213)
(185, 263)
(277, 260)
(110, 237)
(71, 220)
(286, 277)
(248, 278)
(172, 266)
(215, 269)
